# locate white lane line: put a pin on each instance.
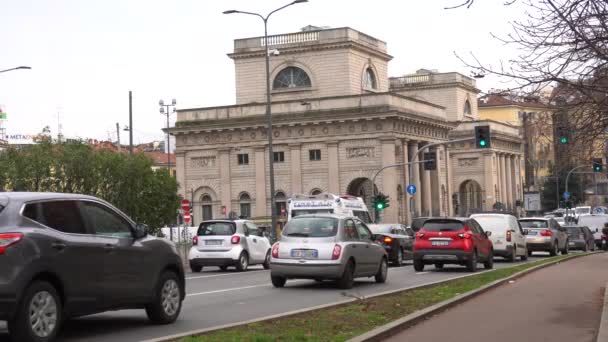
(239, 288)
(422, 272)
(224, 275)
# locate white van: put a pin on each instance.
(301, 204)
(595, 222)
(507, 235)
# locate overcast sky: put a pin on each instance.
(86, 55)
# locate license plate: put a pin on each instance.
(440, 243)
(571, 243)
(304, 253)
(213, 242)
(531, 232)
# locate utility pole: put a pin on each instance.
(130, 123)
(118, 136)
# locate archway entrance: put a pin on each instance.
(362, 187)
(470, 198)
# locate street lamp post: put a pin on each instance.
(268, 107)
(17, 68)
(164, 109)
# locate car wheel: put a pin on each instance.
(168, 302)
(267, 261)
(524, 256)
(243, 262)
(223, 268)
(399, 260)
(529, 253)
(348, 277)
(278, 281)
(439, 266)
(511, 257)
(382, 272)
(38, 314)
(566, 248)
(418, 265)
(472, 264)
(196, 268)
(489, 263)
(553, 251)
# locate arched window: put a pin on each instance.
(467, 108)
(281, 203)
(207, 207)
(291, 77)
(245, 204)
(369, 79)
(316, 192)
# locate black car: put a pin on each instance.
(589, 237)
(63, 256)
(398, 241)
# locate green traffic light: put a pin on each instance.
(482, 143)
(379, 206)
(563, 140)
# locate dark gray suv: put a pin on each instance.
(65, 255)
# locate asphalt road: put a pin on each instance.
(217, 298)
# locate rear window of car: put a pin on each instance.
(442, 225)
(534, 224)
(492, 223)
(311, 227)
(574, 230)
(216, 228)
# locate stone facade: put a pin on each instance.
(333, 131)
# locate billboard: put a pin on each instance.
(532, 201)
(19, 139)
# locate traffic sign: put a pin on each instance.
(567, 195)
(185, 205)
(411, 189)
(187, 217)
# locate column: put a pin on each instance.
(333, 166)
(488, 174)
(406, 177)
(439, 203)
(180, 168)
(518, 185)
(260, 182)
(296, 169)
(427, 199)
(449, 185)
(389, 180)
(225, 183)
(510, 177)
(413, 147)
(503, 179)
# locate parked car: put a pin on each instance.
(595, 222)
(398, 241)
(589, 237)
(64, 256)
(577, 238)
(225, 243)
(459, 241)
(544, 234)
(508, 238)
(327, 246)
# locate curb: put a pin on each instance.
(397, 326)
(602, 333)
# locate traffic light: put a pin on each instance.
(483, 137)
(381, 202)
(568, 204)
(563, 135)
(597, 164)
(430, 163)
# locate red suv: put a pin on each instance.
(459, 241)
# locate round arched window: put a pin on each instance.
(369, 79)
(467, 108)
(291, 77)
(245, 204)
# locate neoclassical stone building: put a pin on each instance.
(337, 119)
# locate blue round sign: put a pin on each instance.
(411, 189)
(566, 195)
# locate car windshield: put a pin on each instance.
(583, 210)
(362, 215)
(534, 224)
(574, 231)
(216, 228)
(311, 227)
(492, 223)
(442, 225)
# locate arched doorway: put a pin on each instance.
(280, 201)
(362, 187)
(470, 197)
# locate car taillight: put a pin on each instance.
(235, 239)
(387, 239)
(195, 240)
(464, 235)
(546, 232)
(508, 236)
(335, 254)
(9, 239)
(275, 250)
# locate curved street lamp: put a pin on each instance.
(268, 109)
(17, 68)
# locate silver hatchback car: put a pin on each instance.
(327, 246)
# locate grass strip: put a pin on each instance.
(347, 321)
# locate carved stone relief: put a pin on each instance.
(468, 162)
(360, 152)
(202, 162)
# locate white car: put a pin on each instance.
(225, 243)
(507, 236)
(595, 222)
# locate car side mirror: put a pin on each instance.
(260, 233)
(525, 232)
(488, 234)
(140, 231)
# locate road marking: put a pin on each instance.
(224, 275)
(422, 272)
(239, 288)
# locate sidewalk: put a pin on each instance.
(561, 303)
